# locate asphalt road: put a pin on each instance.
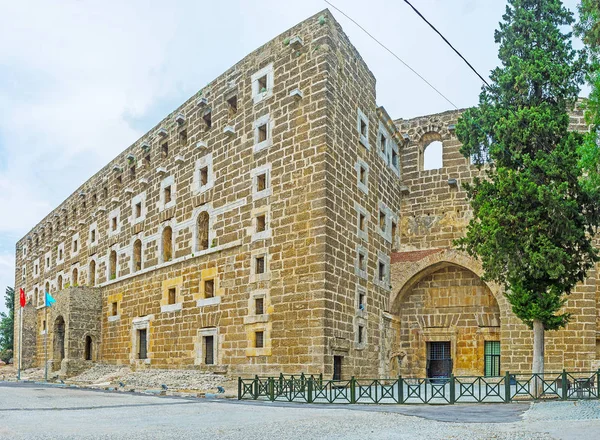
(29, 411)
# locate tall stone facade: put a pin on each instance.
(278, 221)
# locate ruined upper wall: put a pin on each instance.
(435, 209)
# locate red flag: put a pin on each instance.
(22, 297)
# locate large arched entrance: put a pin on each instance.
(58, 342)
(448, 319)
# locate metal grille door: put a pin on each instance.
(439, 359)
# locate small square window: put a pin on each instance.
(259, 339)
(209, 288)
(362, 261)
(394, 159)
(167, 194)
(363, 127)
(261, 182)
(183, 137)
(204, 176)
(262, 84)
(259, 306)
(362, 175)
(361, 301)
(172, 295)
(382, 220)
(207, 119)
(260, 265)
(362, 222)
(262, 133)
(232, 105)
(261, 223)
(138, 210)
(382, 141)
(115, 309)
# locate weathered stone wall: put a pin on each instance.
(434, 213)
(352, 95)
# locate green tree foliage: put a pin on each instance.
(588, 29)
(533, 217)
(7, 326)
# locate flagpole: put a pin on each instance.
(46, 339)
(20, 341)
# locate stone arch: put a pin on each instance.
(431, 151)
(441, 299)
(88, 352)
(75, 277)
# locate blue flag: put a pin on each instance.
(49, 300)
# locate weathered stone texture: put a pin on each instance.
(285, 162)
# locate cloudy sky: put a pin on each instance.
(82, 80)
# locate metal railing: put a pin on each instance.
(511, 387)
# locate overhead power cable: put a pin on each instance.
(447, 42)
(392, 53)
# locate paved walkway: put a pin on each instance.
(29, 411)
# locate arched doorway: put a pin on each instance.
(58, 342)
(88, 348)
(449, 323)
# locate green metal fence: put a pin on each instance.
(455, 389)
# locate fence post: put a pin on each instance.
(598, 383)
(256, 381)
(239, 388)
(452, 390)
(400, 389)
(280, 382)
(507, 387)
(352, 390)
(302, 382)
(564, 384)
(321, 379)
(271, 389)
(310, 390)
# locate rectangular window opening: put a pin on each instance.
(167, 194)
(114, 309)
(259, 306)
(261, 223)
(262, 84)
(381, 271)
(361, 330)
(261, 182)
(142, 343)
(209, 350)
(138, 210)
(207, 119)
(132, 172)
(492, 358)
(209, 288)
(172, 295)
(164, 150)
(262, 133)
(232, 105)
(363, 127)
(114, 224)
(361, 301)
(260, 265)
(183, 137)
(93, 236)
(382, 220)
(259, 339)
(362, 262)
(362, 222)
(204, 176)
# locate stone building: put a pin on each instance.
(280, 221)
